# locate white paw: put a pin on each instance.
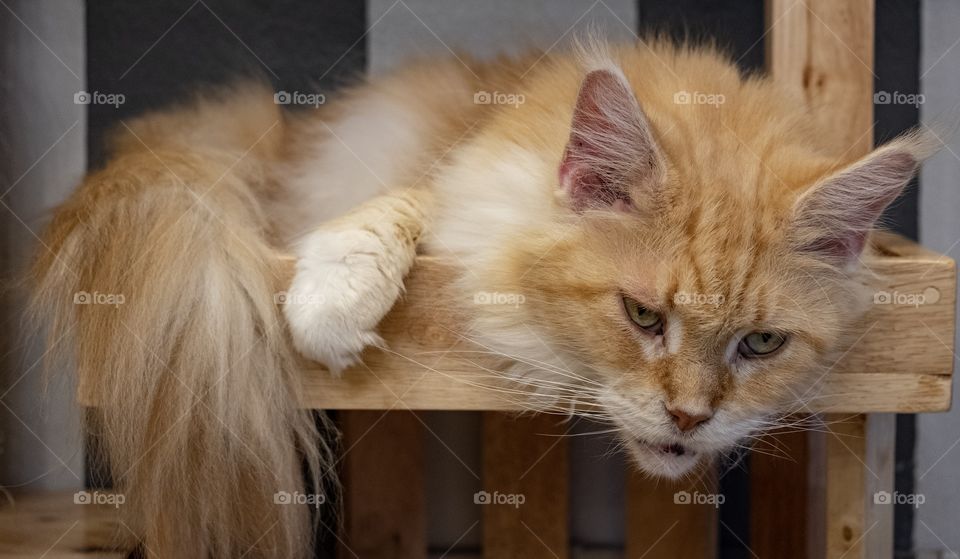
(345, 283)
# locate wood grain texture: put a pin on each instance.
(908, 328)
(525, 457)
(823, 50)
(845, 488)
(902, 362)
(879, 461)
(777, 526)
(53, 526)
(383, 499)
(850, 486)
(668, 519)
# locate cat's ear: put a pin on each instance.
(832, 219)
(611, 158)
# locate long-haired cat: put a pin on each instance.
(686, 248)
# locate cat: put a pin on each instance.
(686, 248)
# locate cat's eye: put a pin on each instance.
(643, 317)
(760, 344)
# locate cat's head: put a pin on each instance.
(691, 287)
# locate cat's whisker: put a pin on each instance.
(613, 430)
(529, 361)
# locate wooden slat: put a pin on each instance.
(778, 529)
(52, 526)
(455, 387)
(854, 468)
(823, 50)
(845, 489)
(859, 463)
(664, 522)
(902, 363)
(914, 291)
(879, 462)
(383, 501)
(898, 365)
(868, 392)
(835, 484)
(522, 460)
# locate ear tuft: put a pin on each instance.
(834, 217)
(611, 151)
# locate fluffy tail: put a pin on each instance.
(158, 276)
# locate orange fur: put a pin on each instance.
(198, 380)
(195, 379)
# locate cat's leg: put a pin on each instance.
(349, 273)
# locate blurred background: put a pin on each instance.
(70, 70)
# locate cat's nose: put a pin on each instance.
(687, 420)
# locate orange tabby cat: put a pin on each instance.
(685, 249)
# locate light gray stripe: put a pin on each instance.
(404, 29)
(938, 461)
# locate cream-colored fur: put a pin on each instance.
(349, 273)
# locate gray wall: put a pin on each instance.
(42, 156)
(938, 435)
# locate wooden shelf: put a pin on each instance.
(54, 526)
(902, 362)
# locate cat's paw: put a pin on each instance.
(344, 284)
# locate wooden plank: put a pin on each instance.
(525, 493)
(845, 488)
(778, 529)
(455, 387)
(823, 50)
(429, 364)
(668, 519)
(901, 364)
(54, 526)
(896, 366)
(854, 469)
(879, 462)
(914, 289)
(867, 392)
(383, 497)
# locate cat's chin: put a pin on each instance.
(670, 461)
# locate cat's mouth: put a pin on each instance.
(663, 459)
(666, 450)
(676, 449)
